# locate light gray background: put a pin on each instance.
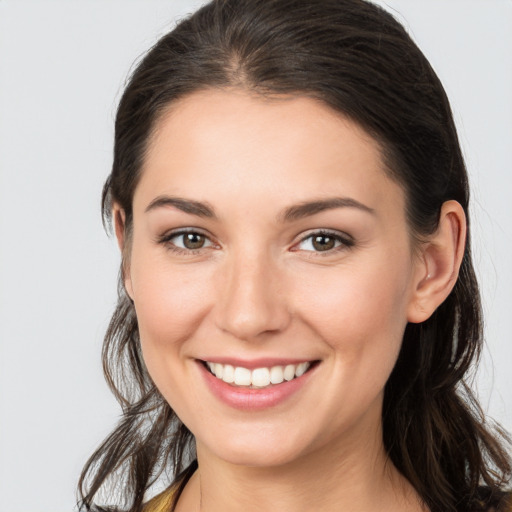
(62, 67)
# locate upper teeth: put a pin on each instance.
(259, 377)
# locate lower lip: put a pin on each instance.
(250, 399)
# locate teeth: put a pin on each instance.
(242, 376)
(229, 374)
(259, 377)
(289, 372)
(218, 370)
(301, 369)
(276, 374)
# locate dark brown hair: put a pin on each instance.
(357, 59)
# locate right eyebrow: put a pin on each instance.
(185, 205)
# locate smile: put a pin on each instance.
(257, 378)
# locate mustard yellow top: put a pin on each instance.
(161, 502)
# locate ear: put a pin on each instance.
(439, 263)
(119, 216)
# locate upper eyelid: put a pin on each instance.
(347, 242)
(340, 235)
(166, 238)
(183, 231)
(327, 232)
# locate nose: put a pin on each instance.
(251, 300)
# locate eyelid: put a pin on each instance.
(346, 241)
(166, 238)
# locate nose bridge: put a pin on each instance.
(250, 299)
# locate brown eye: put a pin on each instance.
(323, 242)
(193, 240)
(184, 242)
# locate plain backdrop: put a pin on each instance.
(62, 69)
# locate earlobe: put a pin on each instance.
(119, 218)
(439, 263)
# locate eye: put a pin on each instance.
(186, 241)
(325, 241)
(190, 240)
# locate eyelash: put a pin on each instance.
(166, 240)
(345, 241)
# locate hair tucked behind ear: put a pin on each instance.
(358, 59)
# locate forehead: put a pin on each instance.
(223, 144)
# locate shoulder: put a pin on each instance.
(161, 502)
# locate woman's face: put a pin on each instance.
(268, 241)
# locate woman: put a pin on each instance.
(297, 303)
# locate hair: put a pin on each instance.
(357, 59)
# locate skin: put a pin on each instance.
(259, 288)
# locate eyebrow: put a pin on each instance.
(290, 214)
(309, 208)
(185, 205)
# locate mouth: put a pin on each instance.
(258, 378)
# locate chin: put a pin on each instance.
(258, 450)
(257, 457)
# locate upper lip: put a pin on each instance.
(261, 362)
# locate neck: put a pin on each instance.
(346, 474)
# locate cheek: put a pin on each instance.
(170, 305)
(361, 314)
(362, 321)
(169, 301)
(356, 299)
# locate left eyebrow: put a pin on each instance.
(309, 208)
